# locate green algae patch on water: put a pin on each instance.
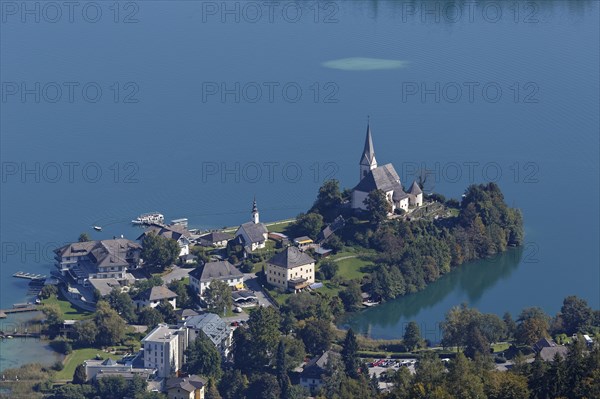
(364, 64)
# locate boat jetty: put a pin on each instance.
(29, 276)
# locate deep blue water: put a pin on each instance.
(185, 140)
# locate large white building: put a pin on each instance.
(290, 269)
(384, 178)
(98, 259)
(163, 349)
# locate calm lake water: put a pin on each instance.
(191, 109)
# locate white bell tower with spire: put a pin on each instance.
(367, 161)
(255, 216)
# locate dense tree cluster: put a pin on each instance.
(158, 251)
(415, 253)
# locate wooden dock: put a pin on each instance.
(29, 276)
(5, 312)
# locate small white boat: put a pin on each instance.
(97, 228)
(149, 218)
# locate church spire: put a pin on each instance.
(368, 161)
(255, 216)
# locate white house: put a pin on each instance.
(214, 239)
(291, 269)
(191, 387)
(384, 178)
(202, 276)
(311, 376)
(154, 296)
(175, 232)
(163, 349)
(253, 235)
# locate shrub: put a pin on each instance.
(61, 346)
(58, 366)
(500, 359)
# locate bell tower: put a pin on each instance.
(367, 161)
(255, 216)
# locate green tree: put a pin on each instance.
(166, 310)
(263, 386)
(48, 290)
(378, 206)
(350, 354)
(218, 297)
(111, 387)
(577, 316)
(412, 336)
(123, 304)
(159, 251)
(533, 325)
(79, 376)
(85, 333)
(233, 385)
(242, 356)
(334, 243)
(263, 327)
(462, 380)
(510, 325)
(282, 371)
(84, 237)
(146, 284)
(352, 296)
(328, 200)
(309, 224)
(295, 353)
(111, 327)
(211, 390)
(203, 358)
(506, 385)
(327, 269)
(150, 317)
(316, 335)
(54, 318)
(429, 377)
(184, 300)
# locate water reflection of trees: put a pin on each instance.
(473, 279)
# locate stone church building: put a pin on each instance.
(384, 178)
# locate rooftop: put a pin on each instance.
(157, 293)
(216, 270)
(161, 334)
(291, 257)
(254, 231)
(215, 328)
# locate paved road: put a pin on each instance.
(253, 284)
(177, 273)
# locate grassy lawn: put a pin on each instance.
(279, 227)
(500, 347)
(279, 298)
(351, 268)
(68, 310)
(77, 357)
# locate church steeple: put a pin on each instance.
(255, 216)
(368, 161)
